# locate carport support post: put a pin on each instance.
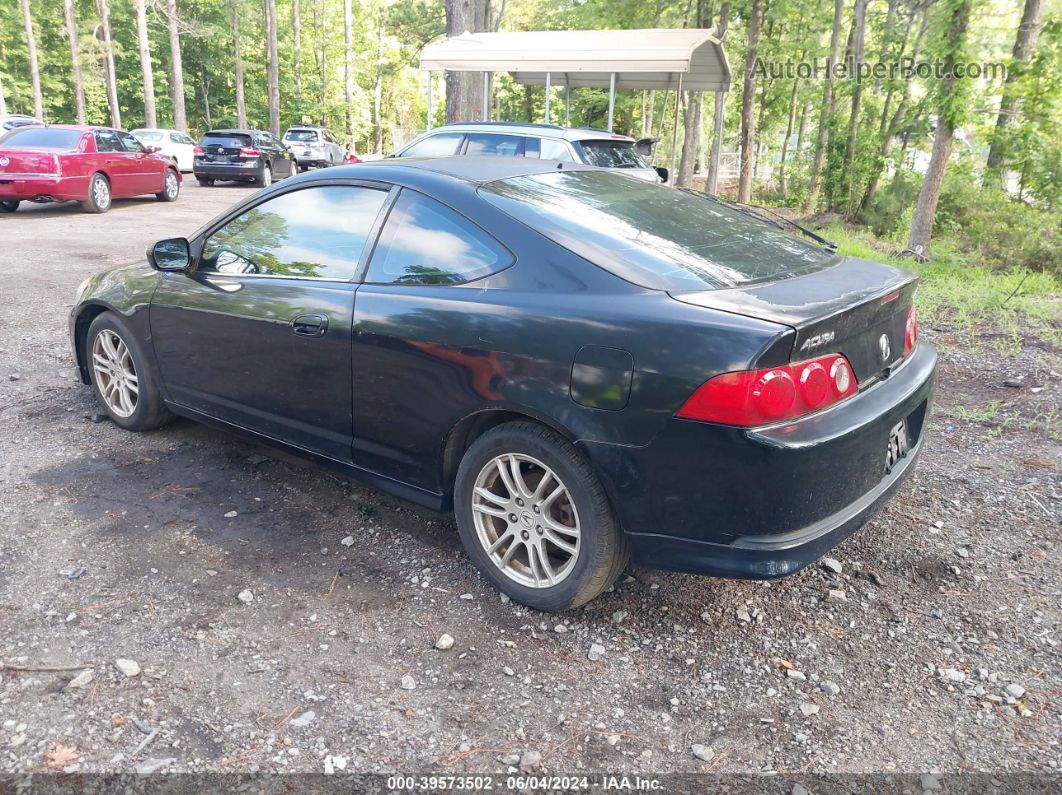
(674, 132)
(430, 108)
(486, 96)
(547, 97)
(611, 99)
(567, 102)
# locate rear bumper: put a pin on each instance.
(227, 170)
(762, 503)
(44, 187)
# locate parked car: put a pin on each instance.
(242, 155)
(314, 147)
(10, 121)
(581, 364)
(92, 165)
(350, 159)
(546, 141)
(176, 145)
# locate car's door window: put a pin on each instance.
(441, 145)
(181, 138)
(552, 149)
(494, 144)
(424, 242)
(108, 141)
(129, 143)
(310, 233)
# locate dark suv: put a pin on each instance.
(242, 155)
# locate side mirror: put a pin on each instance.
(663, 172)
(170, 255)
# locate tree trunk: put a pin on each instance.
(206, 95)
(859, 26)
(828, 103)
(180, 117)
(3, 98)
(296, 54)
(892, 127)
(348, 67)
(464, 90)
(377, 89)
(1032, 20)
(712, 178)
(237, 54)
(150, 117)
(788, 134)
(802, 128)
(947, 120)
(35, 70)
(320, 33)
(104, 8)
(691, 142)
(272, 67)
(75, 60)
(748, 96)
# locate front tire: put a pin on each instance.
(265, 179)
(121, 376)
(171, 187)
(9, 205)
(535, 519)
(99, 196)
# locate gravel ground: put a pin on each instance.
(215, 606)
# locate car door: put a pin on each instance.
(258, 334)
(281, 156)
(422, 359)
(183, 148)
(118, 164)
(146, 171)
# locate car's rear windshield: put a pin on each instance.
(147, 135)
(300, 135)
(42, 138)
(653, 235)
(612, 154)
(226, 139)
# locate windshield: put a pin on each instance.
(147, 135)
(652, 235)
(301, 135)
(42, 138)
(612, 154)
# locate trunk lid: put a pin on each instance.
(848, 308)
(225, 148)
(28, 161)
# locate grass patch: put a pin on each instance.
(959, 294)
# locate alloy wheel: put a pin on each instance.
(101, 193)
(526, 520)
(116, 376)
(171, 185)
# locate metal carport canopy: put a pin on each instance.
(639, 59)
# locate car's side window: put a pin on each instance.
(107, 141)
(424, 242)
(441, 145)
(129, 143)
(552, 149)
(494, 144)
(316, 232)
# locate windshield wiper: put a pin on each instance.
(754, 210)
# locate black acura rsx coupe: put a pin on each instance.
(585, 367)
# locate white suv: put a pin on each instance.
(314, 147)
(547, 141)
(174, 144)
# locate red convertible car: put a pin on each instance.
(92, 165)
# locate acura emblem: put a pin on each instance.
(884, 347)
(4, 161)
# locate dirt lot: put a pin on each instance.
(942, 655)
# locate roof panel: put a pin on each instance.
(639, 58)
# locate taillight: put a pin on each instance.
(198, 150)
(249, 152)
(910, 333)
(757, 397)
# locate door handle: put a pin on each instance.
(309, 325)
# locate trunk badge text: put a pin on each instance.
(818, 341)
(884, 347)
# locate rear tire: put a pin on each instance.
(171, 187)
(122, 377)
(99, 196)
(9, 205)
(294, 168)
(265, 179)
(581, 560)
(205, 182)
